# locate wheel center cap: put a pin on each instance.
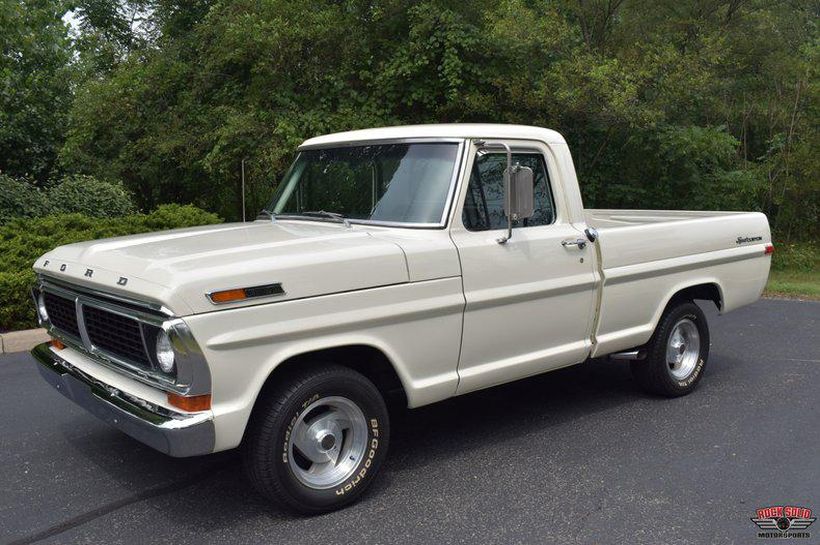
(327, 442)
(681, 349)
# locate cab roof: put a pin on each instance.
(486, 131)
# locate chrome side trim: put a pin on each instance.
(176, 434)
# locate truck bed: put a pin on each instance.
(611, 218)
(644, 255)
(631, 237)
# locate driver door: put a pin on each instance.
(529, 301)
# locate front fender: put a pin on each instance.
(417, 326)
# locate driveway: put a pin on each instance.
(575, 456)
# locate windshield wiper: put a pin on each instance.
(324, 214)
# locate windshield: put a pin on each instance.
(405, 183)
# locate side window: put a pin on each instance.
(484, 204)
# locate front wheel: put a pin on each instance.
(316, 440)
(677, 353)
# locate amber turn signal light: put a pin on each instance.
(190, 403)
(769, 249)
(249, 292)
(56, 344)
(228, 296)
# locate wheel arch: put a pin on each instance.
(708, 290)
(367, 359)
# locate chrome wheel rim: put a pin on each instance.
(327, 442)
(683, 349)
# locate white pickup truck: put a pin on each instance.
(420, 262)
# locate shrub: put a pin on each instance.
(73, 194)
(19, 198)
(90, 196)
(17, 308)
(795, 257)
(23, 240)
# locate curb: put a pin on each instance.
(21, 341)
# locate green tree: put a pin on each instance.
(35, 86)
(669, 104)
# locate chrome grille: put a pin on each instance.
(115, 330)
(62, 313)
(120, 332)
(119, 335)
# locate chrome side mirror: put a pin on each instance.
(519, 193)
(521, 204)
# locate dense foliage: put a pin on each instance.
(86, 195)
(20, 198)
(35, 86)
(665, 104)
(25, 239)
(72, 194)
(671, 104)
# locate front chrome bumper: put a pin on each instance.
(175, 434)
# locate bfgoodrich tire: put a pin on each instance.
(316, 440)
(677, 353)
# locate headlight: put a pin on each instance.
(41, 308)
(165, 352)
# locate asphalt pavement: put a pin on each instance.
(574, 456)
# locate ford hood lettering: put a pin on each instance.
(179, 266)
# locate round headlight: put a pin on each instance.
(165, 352)
(41, 308)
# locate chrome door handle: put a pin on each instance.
(580, 242)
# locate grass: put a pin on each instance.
(795, 270)
(801, 284)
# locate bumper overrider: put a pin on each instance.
(175, 434)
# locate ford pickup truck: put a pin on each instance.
(413, 263)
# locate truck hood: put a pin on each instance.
(178, 268)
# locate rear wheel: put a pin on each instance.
(677, 353)
(317, 439)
